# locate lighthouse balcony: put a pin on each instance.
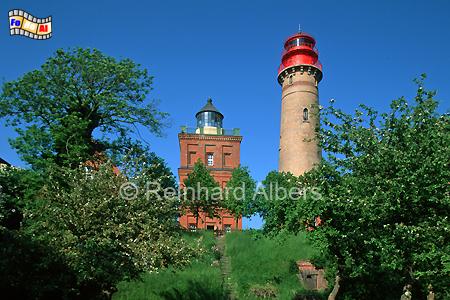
(210, 131)
(317, 65)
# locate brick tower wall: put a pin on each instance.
(299, 151)
(226, 154)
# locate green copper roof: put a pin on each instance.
(209, 107)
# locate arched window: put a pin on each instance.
(305, 114)
(290, 78)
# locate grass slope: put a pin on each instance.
(256, 262)
(197, 281)
(259, 262)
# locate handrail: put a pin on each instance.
(220, 131)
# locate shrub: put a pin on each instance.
(264, 290)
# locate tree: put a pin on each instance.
(93, 205)
(106, 227)
(201, 193)
(78, 104)
(148, 163)
(276, 201)
(31, 270)
(11, 197)
(240, 194)
(384, 198)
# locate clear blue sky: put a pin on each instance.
(230, 51)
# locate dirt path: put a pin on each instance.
(225, 267)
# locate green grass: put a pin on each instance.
(197, 281)
(259, 261)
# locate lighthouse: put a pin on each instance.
(299, 75)
(219, 150)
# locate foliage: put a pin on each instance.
(277, 200)
(267, 290)
(105, 234)
(311, 295)
(385, 202)
(146, 164)
(198, 280)
(32, 270)
(201, 193)
(201, 279)
(11, 195)
(78, 104)
(72, 235)
(92, 210)
(18, 187)
(240, 193)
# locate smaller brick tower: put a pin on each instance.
(219, 150)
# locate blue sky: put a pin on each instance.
(230, 51)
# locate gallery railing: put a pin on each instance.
(210, 130)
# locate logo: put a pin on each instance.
(22, 23)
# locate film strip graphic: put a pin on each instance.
(22, 23)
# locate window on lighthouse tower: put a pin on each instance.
(305, 115)
(210, 159)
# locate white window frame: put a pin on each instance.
(210, 159)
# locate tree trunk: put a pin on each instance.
(197, 215)
(335, 290)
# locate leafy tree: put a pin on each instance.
(105, 227)
(74, 115)
(74, 236)
(276, 200)
(79, 103)
(240, 193)
(18, 187)
(145, 162)
(32, 270)
(201, 193)
(11, 196)
(384, 199)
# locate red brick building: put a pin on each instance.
(219, 150)
(311, 277)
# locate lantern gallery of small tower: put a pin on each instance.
(219, 150)
(299, 75)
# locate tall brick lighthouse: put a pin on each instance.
(219, 150)
(299, 75)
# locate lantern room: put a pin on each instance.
(209, 116)
(209, 119)
(300, 50)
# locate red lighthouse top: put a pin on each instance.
(300, 50)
